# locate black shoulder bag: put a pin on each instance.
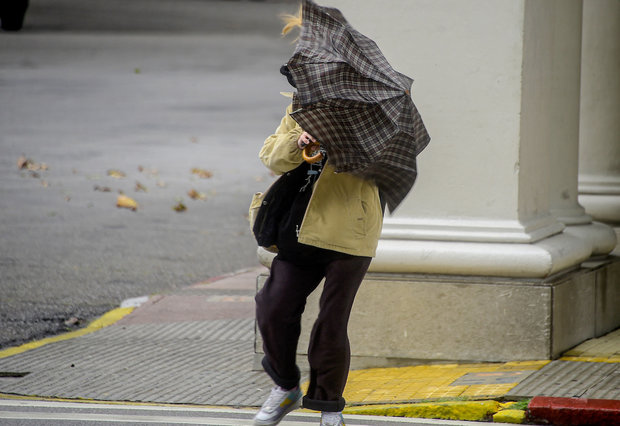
(277, 203)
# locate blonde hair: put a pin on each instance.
(291, 21)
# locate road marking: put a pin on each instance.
(125, 419)
(210, 416)
(117, 406)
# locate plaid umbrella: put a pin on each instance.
(352, 100)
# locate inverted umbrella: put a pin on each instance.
(358, 107)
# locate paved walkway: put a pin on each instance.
(196, 346)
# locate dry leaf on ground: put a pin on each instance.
(205, 174)
(140, 187)
(195, 195)
(179, 207)
(22, 162)
(151, 172)
(116, 174)
(28, 164)
(126, 202)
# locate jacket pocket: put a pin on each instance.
(357, 211)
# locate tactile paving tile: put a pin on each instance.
(430, 382)
(572, 379)
(208, 362)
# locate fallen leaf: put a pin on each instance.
(140, 187)
(27, 163)
(126, 202)
(72, 321)
(179, 207)
(22, 162)
(116, 174)
(195, 195)
(103, 188)
(205, 174)
(149, 172)
(161, 183)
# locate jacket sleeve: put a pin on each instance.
(280, 152)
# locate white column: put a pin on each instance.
(564, 60)
(599, 149)
(483, 72)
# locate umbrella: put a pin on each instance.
(358, 107)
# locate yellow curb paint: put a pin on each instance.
(505, 405)
(451, 410)
(509, 416)
(105, 320)
(590, 359)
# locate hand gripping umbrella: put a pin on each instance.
(351, 99)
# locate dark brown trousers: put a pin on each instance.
(279, 306)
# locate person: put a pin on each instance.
(12, 14)
(330, 232)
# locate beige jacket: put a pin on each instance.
(344, 213)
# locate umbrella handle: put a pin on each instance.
(308, 156)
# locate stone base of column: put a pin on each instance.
(601, 197)
(605, 208)
(602, 237)
(420, 318)
(504, 259)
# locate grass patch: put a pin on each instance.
(519, 405)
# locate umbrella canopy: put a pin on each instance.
(351, 99)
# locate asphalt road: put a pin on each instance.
(152, 89)
(22, 413)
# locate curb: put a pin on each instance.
(510, 416)
(449, 410)
(574, 411)
(105, 320)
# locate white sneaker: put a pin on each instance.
(279, 404)
(329, 418)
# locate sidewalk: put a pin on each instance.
(196, 346)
